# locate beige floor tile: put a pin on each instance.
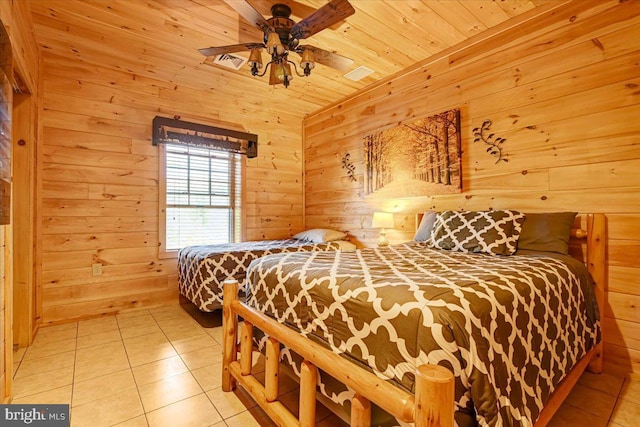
(568, 416)
(15, 368)
(169, 390)
(56, 328)
(195, 411)
(209, 377)
(45, 364)
(34, 384)
(216, 334)
(154, 371)
(93, 326)
(144, 319)
(148, 348)
(254, 417)
(100, 360)
(231, 403)
(169, 313)
(140, 330)
(109, 410)
(219, 424)
(591, 401)
(180, 332)
(631, 391)
(18, 354)
(603, 382)
(55, 335)
(193, 343)
(38, 350)
(101, 387)
(140, 421)
(132, 313)
(61, 395)
(98, 338)
(626, 413)
(204, 357)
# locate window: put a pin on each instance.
(201, 183)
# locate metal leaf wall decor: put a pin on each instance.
(347, 165)
(494, 143)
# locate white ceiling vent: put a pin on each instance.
(230, 61)
(359, 73)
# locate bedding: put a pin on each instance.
(509, 327)
(490, 232)
(203, 269)
(547, 232)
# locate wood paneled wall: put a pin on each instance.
(563, 89)
(100, 183)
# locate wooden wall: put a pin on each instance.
(16, 17)
(563, 88)
(100, 183)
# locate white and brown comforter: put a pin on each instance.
(510, 328)
(203, 269)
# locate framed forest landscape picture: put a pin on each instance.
(420, 158)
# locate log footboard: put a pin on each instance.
(433, 404)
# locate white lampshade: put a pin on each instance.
(382, 220)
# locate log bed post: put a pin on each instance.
(360, 411)
(308, 384)
(434, 397)
(229, 333)
(246, 348)
(596, 263)
(272, 366)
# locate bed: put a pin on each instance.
(203, 269)
(476, 338)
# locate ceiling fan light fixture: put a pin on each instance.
(276, 73)
(307, 63)
(255, 61)
(255, 58)
(274, 45)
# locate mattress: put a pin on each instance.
(203, 269)
(509, 327)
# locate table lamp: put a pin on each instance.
(382, 220)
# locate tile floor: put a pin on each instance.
(159, 367)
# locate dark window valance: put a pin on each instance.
(176, 131)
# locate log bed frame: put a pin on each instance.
(433, 403)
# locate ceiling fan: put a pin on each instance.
(282, 35)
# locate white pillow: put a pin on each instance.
(423, 233)
(320, 235)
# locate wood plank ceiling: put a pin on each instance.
(159, 39)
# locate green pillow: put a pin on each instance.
(547, 232)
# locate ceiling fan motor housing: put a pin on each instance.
(282, 24)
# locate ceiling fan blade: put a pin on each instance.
(248, 12)
(330, 59)
(327, 15)
(214, 51)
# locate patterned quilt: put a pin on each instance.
(508, 327)
(203, 269)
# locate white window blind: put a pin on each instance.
(203, 189)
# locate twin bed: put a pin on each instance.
(203, 269)
(459, 327)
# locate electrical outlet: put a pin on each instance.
(97, 269)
